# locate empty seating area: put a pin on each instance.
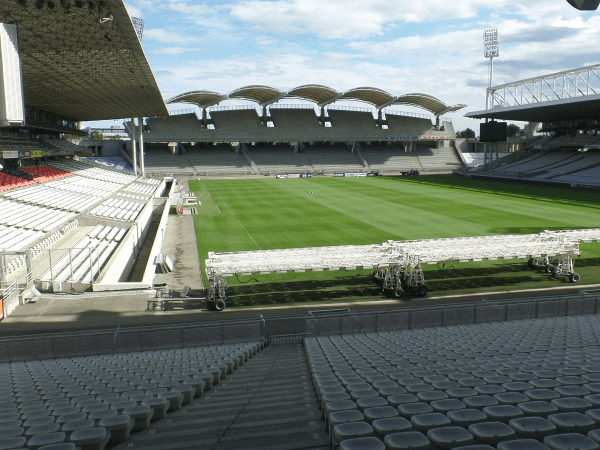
(181, 125)
(390, 158)
(8, 181)
(218, 159)
(333, 158)
(358, 123)
(18, 143)
(64, 146)
(438, 159)
(399, 125)
(45, 173)
(242, 120)
(161, 160)
(525, 384)
(566, 166)
(276, 159)
(41, 194)
(95, 401)
(117, 209)
(21, 224)
(85, 260)
(90, 171)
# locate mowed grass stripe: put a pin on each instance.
(273, 213)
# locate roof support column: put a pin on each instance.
(134, 146)
(141, 145)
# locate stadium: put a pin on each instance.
(271, 268)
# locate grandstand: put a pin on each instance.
(505, 374)
(567, 152)
(323, 142)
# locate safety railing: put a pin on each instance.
(293, 328)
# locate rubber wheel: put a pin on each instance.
(574, 277)
(399, 293)
(219, 305)
(210, 306)
(422, 290)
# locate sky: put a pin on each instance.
(433, 47)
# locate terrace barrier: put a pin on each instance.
(293, 328)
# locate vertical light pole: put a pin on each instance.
(491, 50)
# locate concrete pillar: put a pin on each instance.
(141, 145)
(133, 147)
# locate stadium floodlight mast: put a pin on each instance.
(138, 24)
(491, 50)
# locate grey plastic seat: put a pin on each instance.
(350, 430)
(39, 440)
(400, 399)
(339, 417)
(430, 396)
(533, 427)
(69, 427)
(571, 441)
(450, 404)
(379, 412)
(466, 417)
(91, 438)
(412, 440)
(492, 433)
(175, 399)
(12, 442)
(522, 444)
(41, 429)
(537, 408)
(572, 422)
(12, 432)
(450, 437)
(389, 425)
(364, 443)
(63, 446)
(331, 407)
(370, 402)
(407, 410)
(119, 426)
(502, 413)
(479, 401)
(572, 404)
(511, 398)
(426, 422)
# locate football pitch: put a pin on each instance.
(269, 213)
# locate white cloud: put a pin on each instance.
(134, 11)
(350, 19)
(168, 36)
(174, 50)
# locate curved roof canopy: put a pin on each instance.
(374, 96)
(319, 94)
(203, 99)
(263, 95)
(82, 59)
(427, 102)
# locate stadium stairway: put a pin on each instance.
(268, 403)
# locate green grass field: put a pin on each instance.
(253, 214)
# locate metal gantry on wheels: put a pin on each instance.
(398, 264)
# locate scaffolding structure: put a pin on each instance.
(398, 264)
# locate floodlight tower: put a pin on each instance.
(491, 50)
(138, 24)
